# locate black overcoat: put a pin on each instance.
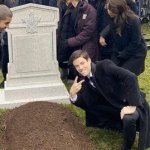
(129, 48)
(115, 88)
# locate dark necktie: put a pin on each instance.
(92, 81)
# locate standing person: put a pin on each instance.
(52, 3)
(45, 2)
(78, 30)
(1, 2)
(104, 93)
(5, 55)
(5, 19)
(103, 20)
(132, 6)
(62, 5)
(93, 3)
(129, 48)
(14, 3)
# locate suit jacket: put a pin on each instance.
(115, 88)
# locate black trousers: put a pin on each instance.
(130, 125)
(109, 118)
(5, 56)
(4, 60)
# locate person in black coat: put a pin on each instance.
(129, 48)
(1, 2)
(132, 6)
(4, 48)
(103, 20)
(52, 3)
(111, 98)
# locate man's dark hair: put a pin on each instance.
(5, 12)
(78, 53)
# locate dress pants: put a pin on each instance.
(130, 122)
(110, 119)
(5, 60)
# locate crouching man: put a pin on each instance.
(111, 98)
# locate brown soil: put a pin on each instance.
(42, 126)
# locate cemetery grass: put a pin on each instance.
(107, 139)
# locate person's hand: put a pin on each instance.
(127, 110)
(102, 41)
(76, 87)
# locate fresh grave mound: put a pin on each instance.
(43, 126)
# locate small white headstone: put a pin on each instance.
(33, 73)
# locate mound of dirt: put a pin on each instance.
(43, 126)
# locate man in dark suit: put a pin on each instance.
(5, 19)
(111, 98)
(4, 48)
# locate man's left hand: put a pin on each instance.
(127, 110)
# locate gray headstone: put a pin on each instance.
(33, 73)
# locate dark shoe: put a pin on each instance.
(2, 84)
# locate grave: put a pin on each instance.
(33, 73)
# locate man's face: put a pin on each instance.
(5, 23)
(83, 66)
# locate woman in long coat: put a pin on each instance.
(129, 48)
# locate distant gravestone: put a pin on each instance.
(33, 73)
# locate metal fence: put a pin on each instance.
(143, 8)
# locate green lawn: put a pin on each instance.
(146, 30)
(106, 139)
(144, 78)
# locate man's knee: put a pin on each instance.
(130, 119)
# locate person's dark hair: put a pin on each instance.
(5, 12)
(78, 53)
(122, 11)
